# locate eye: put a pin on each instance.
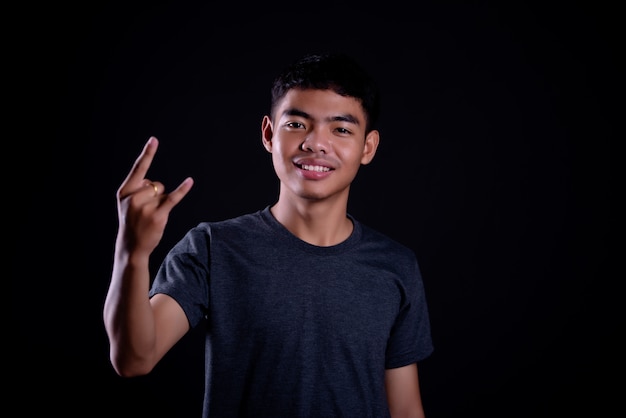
(294, 125)
(343, 131)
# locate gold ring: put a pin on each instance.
(156, 189)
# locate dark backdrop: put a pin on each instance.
(494, 167)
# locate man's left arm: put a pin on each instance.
(403, 392)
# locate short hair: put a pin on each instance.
(330, 71)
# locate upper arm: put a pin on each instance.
(170, 322)
(403, 392)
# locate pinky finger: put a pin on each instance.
(178, 194)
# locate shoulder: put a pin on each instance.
(241, 221)
(239, 228)
(384, 243)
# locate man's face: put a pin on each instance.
(318, 143)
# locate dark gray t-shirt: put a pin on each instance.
(293, 329)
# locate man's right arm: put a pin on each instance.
(141, 330)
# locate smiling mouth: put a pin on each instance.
(318, 168)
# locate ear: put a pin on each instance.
(267, 132)
(371, 145)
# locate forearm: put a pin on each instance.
(128, 316)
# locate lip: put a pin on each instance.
(316, 169)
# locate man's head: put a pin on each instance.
(337, 72)
(321, 129)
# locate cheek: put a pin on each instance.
(279, 158)
(352, 153)
(285, 147)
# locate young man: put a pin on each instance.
(309, 313)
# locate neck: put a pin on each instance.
(321, 223)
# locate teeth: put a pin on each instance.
(315, 168)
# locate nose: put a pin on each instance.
(315, 141)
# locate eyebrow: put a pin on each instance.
(338, 118)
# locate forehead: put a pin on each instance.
(320, 104)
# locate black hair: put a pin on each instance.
(330, 71)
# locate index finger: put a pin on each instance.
(141, 165)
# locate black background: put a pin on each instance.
(494, 167)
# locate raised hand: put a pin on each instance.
(143, 206)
